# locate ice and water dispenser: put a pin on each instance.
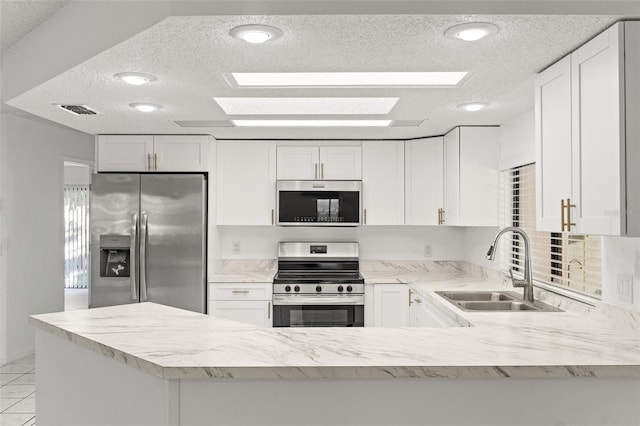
(115, 254)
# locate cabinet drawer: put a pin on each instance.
(240, 291)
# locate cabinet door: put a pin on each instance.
(553, 143)
(391, 305)
(184, 153)
(421, 314)
(254, 312)
(383, 182)
(341, 162)
(452, 177)
(479, 178)
(424, 180)
(125, 153)
(246, 183)
(298, 162)
(597, 139)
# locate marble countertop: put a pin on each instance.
(173, 343)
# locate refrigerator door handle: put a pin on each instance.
(132, 256)
(143, 257)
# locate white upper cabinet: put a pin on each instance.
(124, 153)
(383, 182)
(451, 215)
(341, 162)
(317, 163)
(143, 153)
(246, 183)
(600, 148)
(424, 181)
(553, 143)
(184, 153)
(298, 162)
(472, 180)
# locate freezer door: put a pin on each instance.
(114, 209)
(173, 240)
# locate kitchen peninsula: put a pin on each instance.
(148, 364)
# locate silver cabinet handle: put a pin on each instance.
(269, 310)
(148, 161)
(273, 217)
(316, 171)
(132, 256)
(143, 257)
(321, 170)
(240, 291)
(155, 161)
(365, 216)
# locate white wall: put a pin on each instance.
(376, 242)
(31, 179)
(517, 141)
(620, 256)
(77, 175)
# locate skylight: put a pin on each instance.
(306, 106)
(311, 123)
(319, 79)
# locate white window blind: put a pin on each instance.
(567, 260)
(76, 236)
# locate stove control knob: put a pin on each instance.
(296, 288)
(287, 288)
(349, 288)
(340, 288)
(318, 289)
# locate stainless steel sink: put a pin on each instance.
(497, 306)
(476, 296)
(493, 301)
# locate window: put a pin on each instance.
(567, 260)
(76, 236)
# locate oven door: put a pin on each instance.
(318, 311)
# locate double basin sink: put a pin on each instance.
(493, 301)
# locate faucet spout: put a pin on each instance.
(527, 282)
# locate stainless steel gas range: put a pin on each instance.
(318, 285)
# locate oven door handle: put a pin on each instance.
(319, 299)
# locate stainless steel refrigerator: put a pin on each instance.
(148, 240)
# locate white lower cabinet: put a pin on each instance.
(244, 302)
(390, 305)
(396, 305)
(423, 314)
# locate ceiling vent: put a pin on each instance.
(407, 123)
(204, 123)
(78, 109)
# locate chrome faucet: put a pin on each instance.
(527, 282)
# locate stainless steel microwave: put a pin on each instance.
(319, 202)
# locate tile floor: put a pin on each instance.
(18, 393)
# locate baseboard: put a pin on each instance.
(13, 357)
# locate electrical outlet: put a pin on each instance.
(235, 247)
(624, 287)
(428, 250)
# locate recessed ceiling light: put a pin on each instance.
(135, 78)
(473, 106)
(315, 79)
(311, 123)
(306, 106)
(255, 33)
(471, 31)
(144, 107)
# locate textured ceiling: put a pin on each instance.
(19, 17)
(190, 56)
